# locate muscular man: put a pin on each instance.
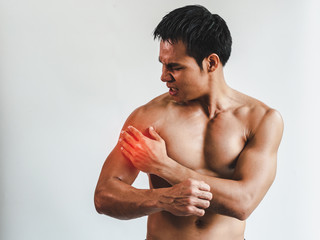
(210, 151)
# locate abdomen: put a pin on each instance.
(164, 225)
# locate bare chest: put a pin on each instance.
(210, 147)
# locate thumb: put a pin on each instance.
(154, 134)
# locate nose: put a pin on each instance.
(166, 75)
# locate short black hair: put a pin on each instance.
(203, 33)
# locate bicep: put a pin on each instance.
(257, 163)
(117, 166)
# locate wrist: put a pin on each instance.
(169, 171)
(157, 195)
(162, 166)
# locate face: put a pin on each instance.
(181, 73)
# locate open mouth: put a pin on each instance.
(173, 91)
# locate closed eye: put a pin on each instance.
(173, 66)
(177, 69)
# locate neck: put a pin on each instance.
(219, 96)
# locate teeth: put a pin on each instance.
(174, 89)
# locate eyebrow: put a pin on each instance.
(172, 64)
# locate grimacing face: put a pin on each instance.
(183, 76)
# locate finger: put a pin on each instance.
(125, 136)
(203, 186)
(200, 212)
(126, 153)
(154, 134)
(196, 211)
(205, 195)
(135, 132)
(126, 146)
(202, 203)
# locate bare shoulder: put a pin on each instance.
(258, 115)
(148, 114)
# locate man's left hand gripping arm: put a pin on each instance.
(236, 197)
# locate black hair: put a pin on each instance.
(203, 33)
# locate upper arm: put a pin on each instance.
(116, 166)
(257, 163)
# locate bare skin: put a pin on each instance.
(210, 153)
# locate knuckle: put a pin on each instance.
(191, 191)
(189, 201)
(203, 184)
(126, 136)
(189, 181)
(189, 209)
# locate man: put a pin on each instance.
(210, 152)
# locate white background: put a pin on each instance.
(72, 71)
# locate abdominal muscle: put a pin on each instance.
(164, 225)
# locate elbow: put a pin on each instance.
(245, 208)
(98, 202)
(103, 200)
(104, 203)
(242, 214)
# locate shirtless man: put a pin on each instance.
(210, 152)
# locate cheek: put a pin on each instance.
(187, 77)
(190, 81)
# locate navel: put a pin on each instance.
(200, 223)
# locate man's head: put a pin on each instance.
(203, 33)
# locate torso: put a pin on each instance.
(208, 146)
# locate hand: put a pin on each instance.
(146, 154)
(187, 198)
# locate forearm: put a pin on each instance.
(120, 200)
(230, 197)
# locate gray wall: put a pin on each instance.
(72, 71)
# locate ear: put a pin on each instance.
(213, 61)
